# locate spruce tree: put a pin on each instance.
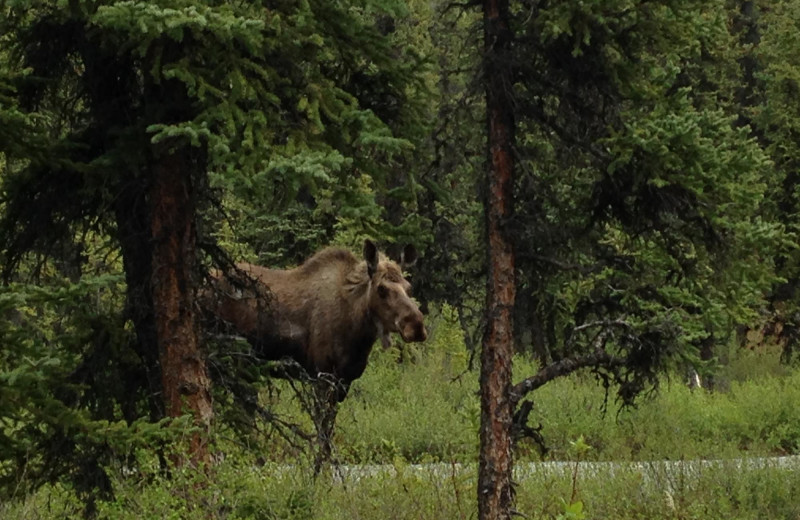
(152, 116)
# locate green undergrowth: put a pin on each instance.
(421, 405)
(238, 490)
(424, 409)
(750, 418)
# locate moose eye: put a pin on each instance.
(383, 292)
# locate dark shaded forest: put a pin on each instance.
(606, 185)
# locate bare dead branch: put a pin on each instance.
(520, 427)
(598, 358)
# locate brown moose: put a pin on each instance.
(325, 314)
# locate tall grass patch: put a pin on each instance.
(424, 408)
(750, 418)
(422, 405)
(716, 491)
(238, 490)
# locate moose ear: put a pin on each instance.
(371, 256)
(409, 256)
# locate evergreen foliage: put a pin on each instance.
(640, 201)
(776, 115)
(268, 107)
(72, 387)
(655, 207)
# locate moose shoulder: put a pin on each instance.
(325, 314)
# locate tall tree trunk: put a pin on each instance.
(185, 381)
(495, 494)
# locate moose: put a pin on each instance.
(325, 315)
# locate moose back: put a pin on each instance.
(325, 314)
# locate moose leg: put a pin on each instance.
(328, 390)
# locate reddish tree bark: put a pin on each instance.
(495, 494)
(185, 381)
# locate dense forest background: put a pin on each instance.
(653, 210)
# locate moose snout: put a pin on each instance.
(413, 329)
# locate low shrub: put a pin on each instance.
(425, 409)
(239, 491)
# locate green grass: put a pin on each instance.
(269, 492)
(426, 410)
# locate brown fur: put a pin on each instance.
(325, 314)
